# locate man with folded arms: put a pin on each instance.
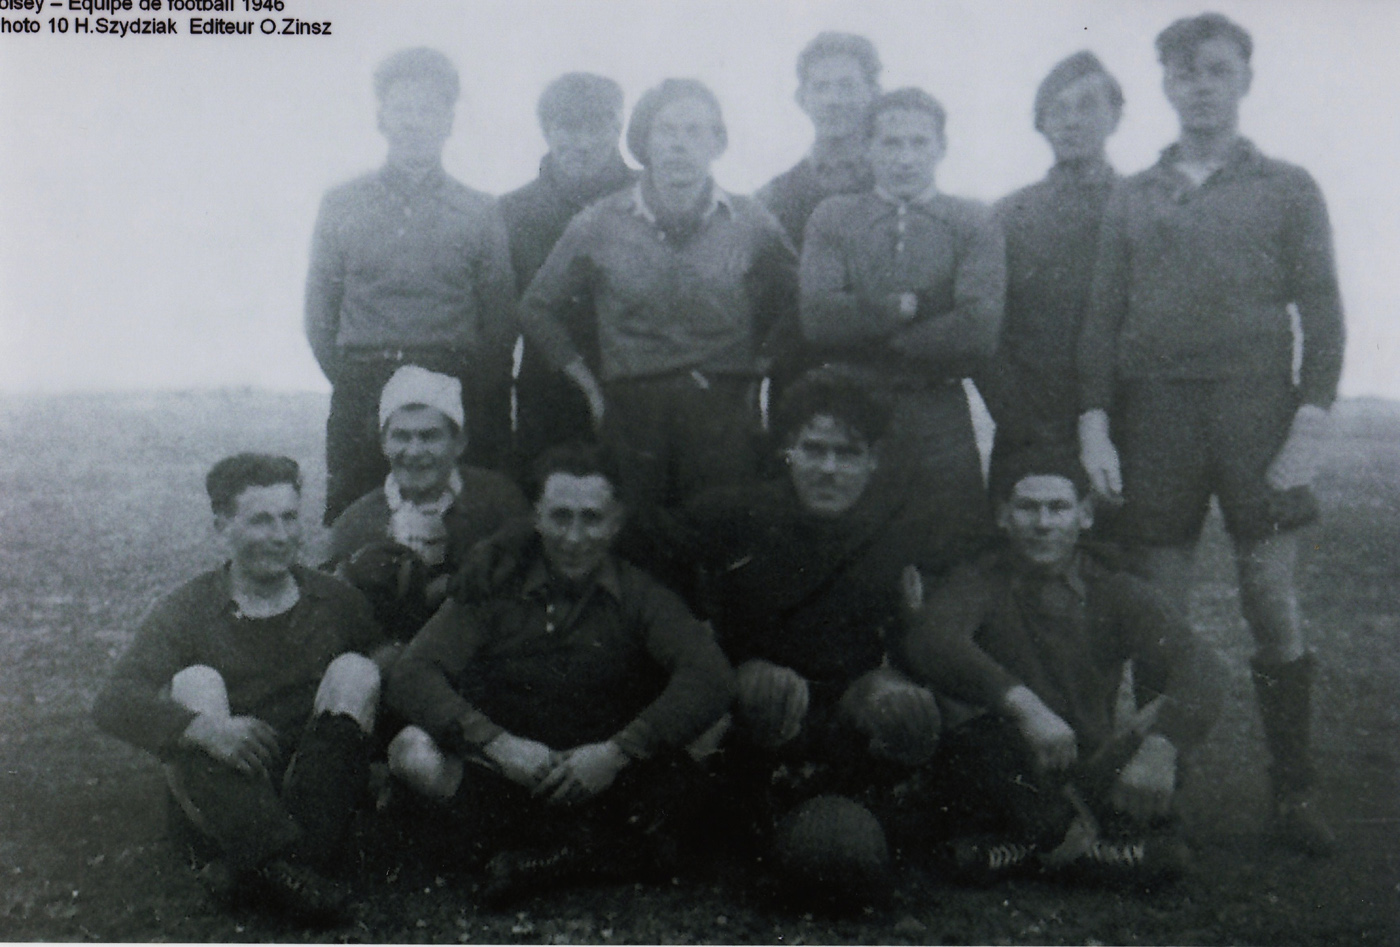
(905, 284)
(253, 685)
(552, 698)
(1206, 262)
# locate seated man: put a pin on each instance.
(399, 543)
(805, 580)
(552, 697)
(1037, 634)
(251, 683)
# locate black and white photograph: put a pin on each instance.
(700, 471)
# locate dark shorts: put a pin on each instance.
(1182, 441)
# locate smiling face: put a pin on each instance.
(577, 519)
(1206, 89)
(835, 94)
(263, 533)
(683, 142)
(830, 466)
(904, 151)
(1043, 518)
(423, 447)
(415, 117)
(1078, 120)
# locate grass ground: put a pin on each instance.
(101, 511)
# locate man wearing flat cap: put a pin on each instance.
(1052, 235)
(691, 285)
(408, 266)
(580, 115)
(399, 542)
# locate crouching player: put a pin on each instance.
(553, 696)
(252, 684)
(805, 580)
(1060, 777)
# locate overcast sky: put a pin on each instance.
(157, 193)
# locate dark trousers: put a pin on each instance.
(301, 811)
(644, 812)
(931, 441)
(985, 780)
(355, 462)
(675, 436)
(549, 410)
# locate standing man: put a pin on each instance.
(1206, 260)
(1052, 237)
(581, 117)
(838, 76)
(689, 283)
(408, 266)
(906, 284)
(252, 684)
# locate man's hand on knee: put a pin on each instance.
(772, 702)
(1053, 742)
(245, 743)
(1146, 785)
(900, 718)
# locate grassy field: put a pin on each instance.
(101, 510)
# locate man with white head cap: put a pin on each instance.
(399, 542)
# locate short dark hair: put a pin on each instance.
(577, 459)
(834, 392)
(417, 63)
(1183, 38)
(907, 99)
(829, 44)
(1036, 460)
(579, 98)
(227, 479)
(657, 98)
(1072, 69)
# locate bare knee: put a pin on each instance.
(201, 689)
(350, 686)
(415, 758)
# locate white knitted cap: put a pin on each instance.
(414, 385)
